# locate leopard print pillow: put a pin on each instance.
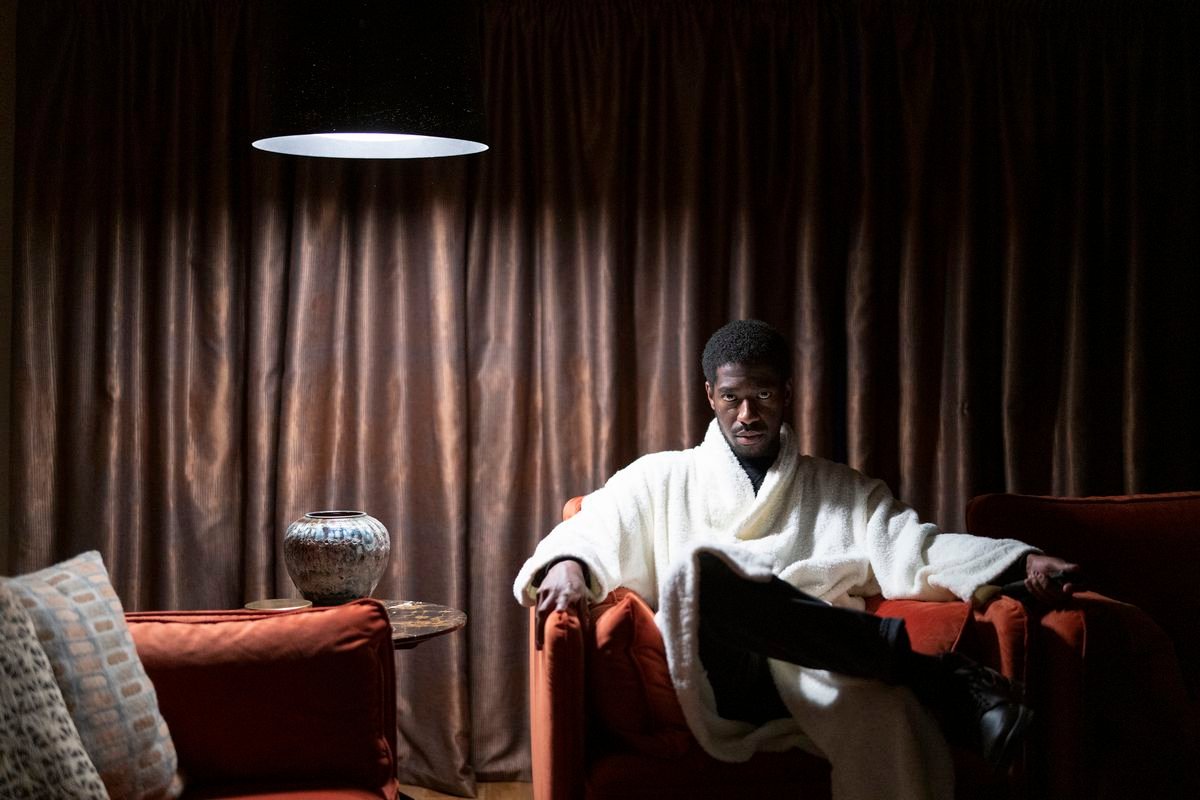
(41, 754)
(81, 627)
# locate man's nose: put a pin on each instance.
(747, 411)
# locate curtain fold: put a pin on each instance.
(975, 220)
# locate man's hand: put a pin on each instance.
(563, 588)
(1051, 580)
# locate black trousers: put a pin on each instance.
(744, 622)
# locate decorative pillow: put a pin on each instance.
(631, 684)
(81, 627)
(41, 755)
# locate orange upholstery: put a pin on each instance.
(606, 723)
(631, 690)
(556, 708)
(1115, 717)
(932, 627)
(260, 704)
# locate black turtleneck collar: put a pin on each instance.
(756, 468)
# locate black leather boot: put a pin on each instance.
(982, 709)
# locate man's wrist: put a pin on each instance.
(540, 575)
(1016, 571)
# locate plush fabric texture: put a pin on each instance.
(572, 507)
(1139, 549)
(557, 706)
(574, 755)
(998, 635)
(41, 754)
(301, 698)
(81, 627)
(631, 689)
(822, 527)
(933, 628)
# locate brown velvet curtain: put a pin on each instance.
(976, 220)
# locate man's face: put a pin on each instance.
(749, 401)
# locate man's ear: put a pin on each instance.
(787, 392)
(709, 393)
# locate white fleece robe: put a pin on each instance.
(824, 528)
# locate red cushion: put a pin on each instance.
(1140, 549)
(295, 698)
(932, 627)
(631, 689)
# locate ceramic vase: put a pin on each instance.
(336, 556)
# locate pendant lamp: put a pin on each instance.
(371, 79)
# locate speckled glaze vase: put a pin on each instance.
(336, 556)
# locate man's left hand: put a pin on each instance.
(1051, 580)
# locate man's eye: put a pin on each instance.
(728, 398)
(765, 395)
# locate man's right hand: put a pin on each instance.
(563, 588)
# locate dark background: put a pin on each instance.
(976, 220)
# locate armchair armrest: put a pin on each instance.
(557, 699)
(1116, 715)
(1118, 689)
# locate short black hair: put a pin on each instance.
(747, 341)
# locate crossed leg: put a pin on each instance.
(840, 672)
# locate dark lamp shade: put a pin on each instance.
(371, 79)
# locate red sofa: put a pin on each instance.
(605, 722)
(276, 706)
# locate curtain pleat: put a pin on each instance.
(975, 220)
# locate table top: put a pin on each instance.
(414, 622)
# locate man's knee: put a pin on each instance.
(717, 579)
(722, 590)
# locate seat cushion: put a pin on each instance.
(278, 699)
(630, 683)
(932, 627)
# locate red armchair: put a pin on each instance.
(605, 722)
(288, 706)
(1114, 677)
(1118, 680)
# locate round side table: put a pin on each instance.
(414, 622)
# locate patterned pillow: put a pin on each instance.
(41, 755)
(81, 627)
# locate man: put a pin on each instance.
(757, 559)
